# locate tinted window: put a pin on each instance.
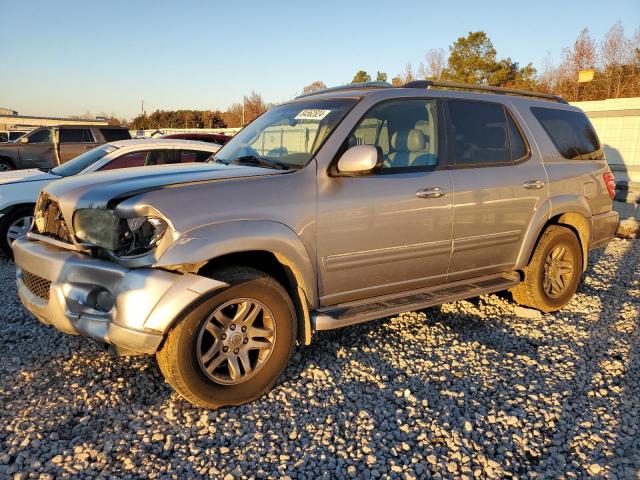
(15, 135)
(135, 159)
(188, 156)
(140, 159)
(41, 136)
(571, 132)
(4, 137)
(76, 135)
(113, 134)
(404, 130)
(480, 133)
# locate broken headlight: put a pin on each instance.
(123, 237)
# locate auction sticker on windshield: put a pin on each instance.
(312, 114)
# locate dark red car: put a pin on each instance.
(218, 138)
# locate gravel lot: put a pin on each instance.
(468, 389)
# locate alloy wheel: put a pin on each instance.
(235, 341)
(558, 271)
(19, 228)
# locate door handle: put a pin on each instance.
(533, 184)
(431, 192)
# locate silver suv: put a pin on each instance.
(336, 208)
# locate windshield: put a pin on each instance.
(72, 167)
(287, 136)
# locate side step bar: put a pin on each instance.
(351, 313)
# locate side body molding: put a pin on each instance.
(557, 205)
(211, 241)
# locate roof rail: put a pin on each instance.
(482, 88)
(349, 86)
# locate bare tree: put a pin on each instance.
(313, 87)
(435, 63)
(616, 49)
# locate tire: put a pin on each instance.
(6, 166)
(11, 221)
(184, 355)
(540, 288)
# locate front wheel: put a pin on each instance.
(233, 347)
(14, 225)
(553, 274)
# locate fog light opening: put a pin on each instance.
(101, 299)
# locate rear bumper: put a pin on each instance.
(603, 228)
(60, 288)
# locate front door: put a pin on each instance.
(74, 142)
(499, 183)
(39, 151)
(388, 231)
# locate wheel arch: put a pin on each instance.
(569, 211)
(267, 246)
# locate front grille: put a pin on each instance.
(49, 220)
(39, 286)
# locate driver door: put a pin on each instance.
(39, 151)
(388, 231)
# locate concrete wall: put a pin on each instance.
(617, 122)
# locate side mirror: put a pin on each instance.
(24, 140)
(359, 160)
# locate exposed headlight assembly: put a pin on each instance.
(123, 237)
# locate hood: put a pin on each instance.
(29, 175)
(96, 190)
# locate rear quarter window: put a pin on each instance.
(114, 134)
(571, 132)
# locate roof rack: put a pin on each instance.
(349, 86)
(482, 88)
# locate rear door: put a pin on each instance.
(74, 141)
(499, 182)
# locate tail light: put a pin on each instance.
(610, 182)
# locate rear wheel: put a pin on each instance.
(14, 225)
(553, 274)
(233, 347)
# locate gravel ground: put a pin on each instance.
(470, 389)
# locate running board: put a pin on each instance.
(350, 313)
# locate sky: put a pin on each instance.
(68, 57)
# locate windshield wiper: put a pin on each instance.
(261, 162)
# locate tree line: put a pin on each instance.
(611, 67)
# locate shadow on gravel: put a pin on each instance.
(593, 406)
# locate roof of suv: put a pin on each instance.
(478, 92)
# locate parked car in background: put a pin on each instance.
(336, 208)
(19, 189)
(11, 135)
(46, 147)
(218, 138)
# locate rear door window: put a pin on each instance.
(76, 135)
(571, 132)
(114, 134)
(188, 156)
(140, 159)
(483, 133)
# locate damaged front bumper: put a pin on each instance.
(129, 309)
